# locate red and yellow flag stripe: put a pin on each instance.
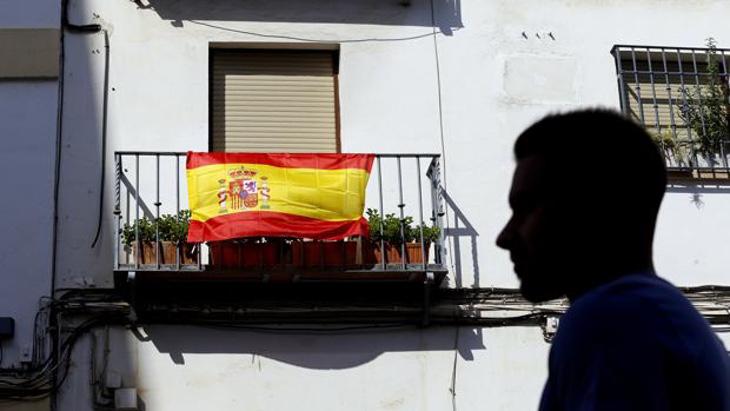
(234, 195)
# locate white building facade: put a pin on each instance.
(457, 79)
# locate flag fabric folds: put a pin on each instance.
(319, 196)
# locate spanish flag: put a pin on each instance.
(319, 196)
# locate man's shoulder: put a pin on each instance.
(637, 338)
(636, 296)
(640, 310)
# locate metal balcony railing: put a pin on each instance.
(151, 197)
(681, 95)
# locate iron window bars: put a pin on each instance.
(681, 96)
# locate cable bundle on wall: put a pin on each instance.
(45, 376)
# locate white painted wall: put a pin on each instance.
(494, 82)
(496, 369)
(28, 115)
(28, 128)
(30, 13)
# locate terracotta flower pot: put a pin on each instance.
(324, 253)
(187, 253)
(241, 254)
(414, 254)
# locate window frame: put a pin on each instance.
(659, 62)
(334, 50)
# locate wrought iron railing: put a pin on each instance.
(681, 96)
(150, 191)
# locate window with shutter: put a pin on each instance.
(274, 101)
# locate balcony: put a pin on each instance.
(151, 197)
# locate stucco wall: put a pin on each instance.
(494, 82)
(400, 369)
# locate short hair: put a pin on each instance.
(608, 155)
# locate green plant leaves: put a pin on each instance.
(171, 228)
(391, 229)
(705, 108)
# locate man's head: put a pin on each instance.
(585, 196)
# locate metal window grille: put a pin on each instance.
(681, 96)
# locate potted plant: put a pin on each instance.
(171, 230)
(397, 235)
(385, 237)
(676, 151)
(706, 112)
(431, 235)
(142, 249)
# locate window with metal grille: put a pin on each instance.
(681, 96)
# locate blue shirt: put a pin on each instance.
(636, 344)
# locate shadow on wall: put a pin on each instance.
(447, 13)
(314, 349)
(461, 228)
(697, 190)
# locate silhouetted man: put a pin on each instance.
(585, 196)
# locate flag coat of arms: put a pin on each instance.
(319, 196)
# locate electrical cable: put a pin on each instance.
(463, 308)
(105, 108)
(312, 330)
(312, 40)
(453, 369)
(44, 378)
(59, 146)
(438, 89)
(441, 127)
(45, 381)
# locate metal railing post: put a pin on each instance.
(696, 75)
(655, 105)
(621, 85)
(434, 174)
(117, 208)
(672, 122)
(638, 86)
(692, 152)
(158, 246)
(724, 80)
(177, 204)
(420, 212)
(128, 218)
(401, 206)
(383, 254)
(138, 255)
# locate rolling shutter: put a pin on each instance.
(273, 101)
